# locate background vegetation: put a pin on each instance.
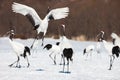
(87, 18)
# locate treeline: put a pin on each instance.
(87, 17)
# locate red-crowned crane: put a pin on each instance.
(66, 48)
(54, 49)
(39, 24)
(20, 50)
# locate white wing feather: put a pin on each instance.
(117, 38)
(24, 10)
(59, 13)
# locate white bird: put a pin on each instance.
(54, 49)
(39, 24)
(19, 49)
(108, 46)
(66, 48)
(88, 50)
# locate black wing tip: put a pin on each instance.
(36, 27)
(51, 17)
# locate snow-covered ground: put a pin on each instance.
(42, 67)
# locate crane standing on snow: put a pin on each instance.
(66, 48)
(19, 49)
(113, 50)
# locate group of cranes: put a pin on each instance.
(113, 49)
(63, 47)
(41, 27)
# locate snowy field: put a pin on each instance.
(42, 67)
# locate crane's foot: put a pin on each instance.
(18, 66)
(109, 69)
(54, 63)
(60, 64)
(28, 65)
(10, 65)
(42, 44)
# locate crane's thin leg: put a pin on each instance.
(86, 56)
(42, 41)
(18, 63)
(61, 59)
(15, 62)
(33, 43)
(91, 52)
(67, 65)
(12, 64)
(111, 61)
(63, 63)
(27, 61)
(52, 58)
(55, 59)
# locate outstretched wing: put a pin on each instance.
(27, 11)
(58, 13)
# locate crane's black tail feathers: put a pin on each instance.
(26, 50)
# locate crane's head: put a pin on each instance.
(48, 10)
(102, 32)
(11, 34)
(63, 25)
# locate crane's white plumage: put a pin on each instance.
(64, 43)
(58, 13)
(108, 46)
(89, 50)
(66, 48)
(113, 49)
(90, 47)
(24, 10)
(117, 39)
(55, 49)
(20, 50)
(39, 24)
(113, 35)
(18, 47)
